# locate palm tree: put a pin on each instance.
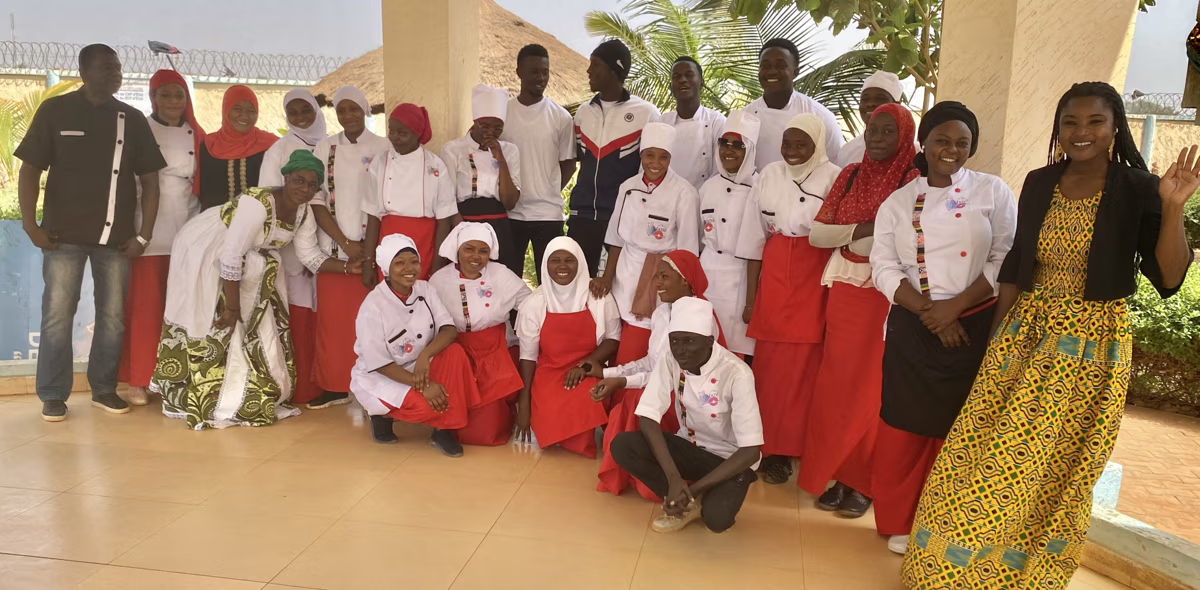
(728, 50)
(15, 117)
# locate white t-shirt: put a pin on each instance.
(775, 121)
(718, 410)
(544, 134)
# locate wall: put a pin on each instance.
(1169, 137)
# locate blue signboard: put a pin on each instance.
(21, 298)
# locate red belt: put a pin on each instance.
(485, 217)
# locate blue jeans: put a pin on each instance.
(62, 272)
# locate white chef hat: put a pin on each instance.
(466, 232)
(658, 135)
(692, 314)
(488, 101)
(744, 124)
(886, 81)
(390, 246)
(354, 95)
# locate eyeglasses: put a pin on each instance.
(298, 181)
(725, 143)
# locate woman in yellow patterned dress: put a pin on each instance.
(226, 356)
(1008, 502)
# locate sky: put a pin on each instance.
(349, 28)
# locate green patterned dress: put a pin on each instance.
(1008, 502)
(243, 375)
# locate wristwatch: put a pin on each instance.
(143, 241)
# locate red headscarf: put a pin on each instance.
(415, 117)
(162, 78)
(689, 266)
(873, 182)
(228, 143)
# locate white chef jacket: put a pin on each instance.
(544, 134)
(649, 221)
(176, 203)
(695, 143)
(459, 155)
(347, 169)
(722, 213)
(775, 121)
(487, 299)
(416, 184)
(968, 229)
(718, 408)
(390, 330)
(276, 156)
(808, 197)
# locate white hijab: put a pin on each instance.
(780, 200)
(745, 125)
(552, 297)
(315, 132)
(466, 232)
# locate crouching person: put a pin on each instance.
(720, 431)
(409, 368)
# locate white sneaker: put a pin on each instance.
(898, 544)
(665, 523)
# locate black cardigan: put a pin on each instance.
(1124, 238)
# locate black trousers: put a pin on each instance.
(590, 235)
(539, 233)
(720, 504)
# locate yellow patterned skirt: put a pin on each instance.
(1008, 502)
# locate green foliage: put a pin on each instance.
(15, 117)
(727, 48)
(1166, 336)
(1191, 222)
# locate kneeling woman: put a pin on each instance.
(564, 333)
(226, 356)
(481, 297)
(680, 274)
(939, 244)
(405, 346)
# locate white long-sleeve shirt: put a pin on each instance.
(967, 229)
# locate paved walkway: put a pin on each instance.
(1161, 455)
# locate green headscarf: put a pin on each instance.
(304, 160)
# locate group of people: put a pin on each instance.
(872, 311)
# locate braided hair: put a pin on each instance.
(1125, 151)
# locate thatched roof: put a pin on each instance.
(501, 35)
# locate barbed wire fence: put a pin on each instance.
(31, 57)
(1164, 105)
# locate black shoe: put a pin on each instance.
(381, 429)
(327, 399)
(832, 498)
(447, 442)
(109, 402)
(776, 469)
(54, 411)
(853, 505)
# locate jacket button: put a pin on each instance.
(963, 254)
(958, 214)
(116, 171)
(728, 189)
(120, 141)
(720, 252)
(191, 153)
(722, 220)
(802, 199)
(107, 224)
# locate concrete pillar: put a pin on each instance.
(1011, 60)
(431, 58)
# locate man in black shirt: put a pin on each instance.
(97, 150)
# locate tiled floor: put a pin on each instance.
(139, 502)
(1161, 456)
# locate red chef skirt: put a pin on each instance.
(844, 414)
(789, 326)
(304, 336)
(621, 418)
(902, 461)
(567, 417)
(338, 299)
(452, 370)
(490, 422)
(422, 230)
(144, 307)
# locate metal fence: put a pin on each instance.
(206, 65)
(1164, 105)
